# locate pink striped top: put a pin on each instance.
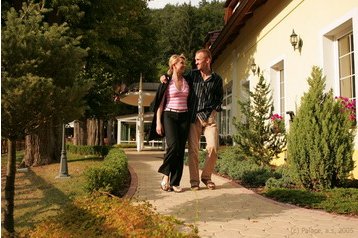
(177, 99)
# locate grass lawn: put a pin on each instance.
(39, 194)
(46, 206)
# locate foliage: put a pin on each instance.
(88, 150)
(297, 197)
(277, 123)
(256, 177)
(283, 178)
(339, 200)
(39, 68)
(21, 112)
(121, 44)
(99, 216)
(183, 28)
(234, 164)
(320, 142)
(111, 176)
(126, 145)
(255, 136)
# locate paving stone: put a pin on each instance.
(232, 210)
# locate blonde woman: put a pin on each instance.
(171, 119)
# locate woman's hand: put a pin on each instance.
(163, 79)
(160, 129)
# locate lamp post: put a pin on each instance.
(63, 160)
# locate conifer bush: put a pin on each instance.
(261, 135)
(320, 140)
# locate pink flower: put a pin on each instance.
(349, 105)
(276, 117)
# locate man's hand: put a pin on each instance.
(163, 79)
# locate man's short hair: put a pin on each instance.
(206, 52)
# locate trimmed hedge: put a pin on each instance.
(88, 149)
(111, 176)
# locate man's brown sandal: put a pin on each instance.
(195, 188)
(209, 184)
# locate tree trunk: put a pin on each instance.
(80, 132)
(43, 147)
(94, 131)
(109, 131)
(10, 187)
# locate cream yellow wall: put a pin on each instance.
(265, 39)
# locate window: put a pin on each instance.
(225, 115)
(346, 66)
(282, 93)
(278, 87)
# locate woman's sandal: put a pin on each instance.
(177, 189)
(165, 186)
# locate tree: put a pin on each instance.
(320, 141)
(121, 45)
(256, 136)
(39, 67)
(183, 28)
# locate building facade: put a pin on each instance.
(259, 37)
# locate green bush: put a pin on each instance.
(88, 150)
(235, 165)
(260, 134)
(297, 197)
(228, 156)
(256, 177)
(282, 178)
(125, 145)
(321, 139)
(111, 176)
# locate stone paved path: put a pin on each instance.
(231, 210)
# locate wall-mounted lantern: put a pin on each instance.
(296, 41)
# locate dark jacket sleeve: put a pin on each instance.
(153, 135)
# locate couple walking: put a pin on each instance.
(185, 106)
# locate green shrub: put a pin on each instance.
(257, 177)
(282, 178)
(111, 176)
(227, 157)
(88, 150)
(260, 134)
(320, 141)
(125, 145)
(339, 200)
(297, 197)
(235, 165)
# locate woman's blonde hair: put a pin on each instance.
(173, 60)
